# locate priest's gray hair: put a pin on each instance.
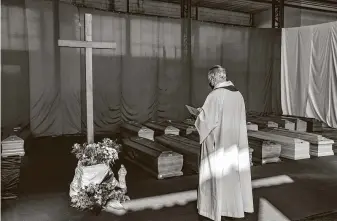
(216, 75)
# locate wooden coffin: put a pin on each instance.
(300, 125)
(251, 126)
(134, 129)
(291, 148)
(283, 123)
(161, 129)
(190, 122)
(264, 151)
(194, 136)
(153, 157)
(313, 125)
(10, 176)
(188, 148)
(331, 133)
(319, 145)
(184, 129)
(189, 131)
(262, 123)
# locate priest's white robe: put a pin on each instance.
(225, 187)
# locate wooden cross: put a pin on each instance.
(88, 44)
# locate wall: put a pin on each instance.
(144, 78)
(294, 17)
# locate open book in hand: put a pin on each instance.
(192, 110)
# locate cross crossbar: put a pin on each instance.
(86, 44)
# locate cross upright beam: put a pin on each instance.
(88, 80)
(88, 44)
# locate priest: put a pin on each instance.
(225, 187)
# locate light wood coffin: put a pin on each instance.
(319, 145)
(188, 148)
(264, 151)
(134, 129)
(291, 148)
(331, 133)
(153, 157)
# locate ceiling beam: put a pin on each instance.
(326, 2)
(299, 7)
(206, 5)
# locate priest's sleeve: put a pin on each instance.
(208, 118)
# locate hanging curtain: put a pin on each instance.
(309, 72)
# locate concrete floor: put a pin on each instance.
(48, 170)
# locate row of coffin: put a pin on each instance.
(164, 148)
(167, 148)
(295, 137)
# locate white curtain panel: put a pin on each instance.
(309, 72)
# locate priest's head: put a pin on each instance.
(216, 75)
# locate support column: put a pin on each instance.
(186, 15)
(112, 6)
(278, 13)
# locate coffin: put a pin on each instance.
(284, 123)
(262, 123)
(194, 136)
(160, 129)
(291, 148)
(153, 157)
(188, 148)
(319, 145)
(184, 129)
(10, 176)
(134, 129)
(264, 151)
(11, 156)
(251, 126)
(313, 125)
(190, 122)
(300, 125)
(331, 133)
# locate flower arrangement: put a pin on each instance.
(94, 195)
(105, 152)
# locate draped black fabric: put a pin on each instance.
(145, 78)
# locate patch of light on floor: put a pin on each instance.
(182, 198)
(268, 212)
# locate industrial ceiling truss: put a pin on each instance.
(277, 13)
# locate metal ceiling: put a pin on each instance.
(246, 6)
(254, 6)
